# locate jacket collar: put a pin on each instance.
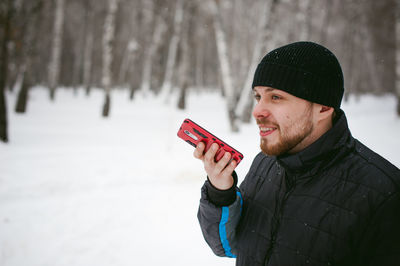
(323, 152)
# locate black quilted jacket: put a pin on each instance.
(335, 203)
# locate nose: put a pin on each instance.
(261, 110)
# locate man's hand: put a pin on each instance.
(219, 173)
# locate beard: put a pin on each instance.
(290, 135)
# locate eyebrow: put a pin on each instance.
(267, 89)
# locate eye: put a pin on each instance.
(276, 97)
(257, 97)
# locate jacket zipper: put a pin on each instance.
(278, 215)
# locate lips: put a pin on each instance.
(266, 130)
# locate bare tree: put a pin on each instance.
(226, 75)
(54, 66)
(88, 50)
(397, 91)
(7, 8)
(226, 41)
(263, 43)
(127, 63)
(150, 52)
(30, 11)
(199, 34)
(326, 21)
(366, 45)
(184, 64)
(108, 37)
(173, 45)
(303, 19)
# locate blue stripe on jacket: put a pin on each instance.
(222, 228)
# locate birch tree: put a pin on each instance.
(199, 67)
(88, 49)
(173, 47)
(349, 45)
(30, 11)
(127, 63)
(225, 45)
(223, 59)
(150, 52)
(397, 91)
(108, 37)
(328, 14)
(3, 116)
(133, 74)
(183, 68)
(55, 66)
(303, 19)
(263, 43)
(366, 44)
(7, 8)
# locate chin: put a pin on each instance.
(272, 150)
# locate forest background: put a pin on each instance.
(156, 47)
(93, 92)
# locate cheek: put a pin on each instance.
(288, 121)
(283, 117)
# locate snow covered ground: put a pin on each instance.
(78, 189)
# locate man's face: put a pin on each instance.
(286, 122)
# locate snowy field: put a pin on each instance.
(80, 190)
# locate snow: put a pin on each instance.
(79, 189)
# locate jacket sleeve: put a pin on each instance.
(218, 223)
(381, 245)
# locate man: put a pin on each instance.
(314, 195)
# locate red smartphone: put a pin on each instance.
(192, 133)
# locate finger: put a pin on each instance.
(210, 154)
(230, 168)
(222, 163)
(220, 153)
(199, 151)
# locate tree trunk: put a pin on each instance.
(369, 55)
(4, 71)
(108, 38)
(237, 57)
(159, 29)
(349, 44)
(22, 98)
(54, 67)
(227, 81)
(173, 46)
(107, 105)
(127, 60)
(183, 70)
(128, 72)
(262, 43)
(302, 18)
(3, 117)
(87, 64)
(182, 96)
(87, 52)
(28, 39)
(397, 91)
(199, 70)
(328, 13)
(131, 92)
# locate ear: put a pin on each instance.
(326, 109)
(324, 112)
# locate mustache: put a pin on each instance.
(265, 121)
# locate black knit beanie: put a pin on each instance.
(304, 69)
